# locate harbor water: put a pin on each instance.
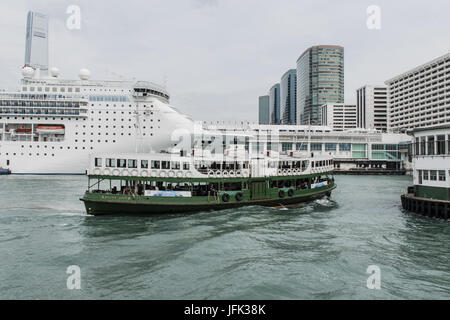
(318, 250)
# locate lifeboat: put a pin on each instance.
(50, 129)
(23, 130)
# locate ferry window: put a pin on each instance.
(176, 165)
(185, 165)
(430, 145)
(155, 164)
(110, 163)
(433, 176)
(121, 163)
(98, 162)
(425, 175)
(165, 164)
(441, 175)
(132, 163)
(440, 144)
(301, 146)
(144, 164)
(54, 89)
(316, 146)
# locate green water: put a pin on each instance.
(320, 250)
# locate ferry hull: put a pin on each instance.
(106, 207)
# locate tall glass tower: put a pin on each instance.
(320, 80)
(274, 104)
(264, 114)
(36, 47)
(288, 103)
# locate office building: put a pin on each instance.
(288, 101)
(274, 104)
(36, 47)
(264, 115)
(339, 117)
(320, 80)
(371, 103)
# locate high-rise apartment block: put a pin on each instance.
(420, 97)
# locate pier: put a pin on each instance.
(427, 207)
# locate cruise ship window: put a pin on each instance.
(185, 165)
(144, 164)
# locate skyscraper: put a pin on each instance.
(288, 103)
(36, 47)
(274, 104)
(264, 115)
(320, 80)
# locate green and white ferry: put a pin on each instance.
(160, 183)
(430, 194)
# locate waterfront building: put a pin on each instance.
(320, 80)
(353, 151)
(36, 46)
(339, 117)
(288, 102)
(264, 114)
(274, 104)
(420, 97)
(371, 104)
(430, 194)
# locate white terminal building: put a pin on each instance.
(353, 149)
(420, 97)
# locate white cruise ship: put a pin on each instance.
(51, 125)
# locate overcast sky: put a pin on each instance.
(217, 56)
